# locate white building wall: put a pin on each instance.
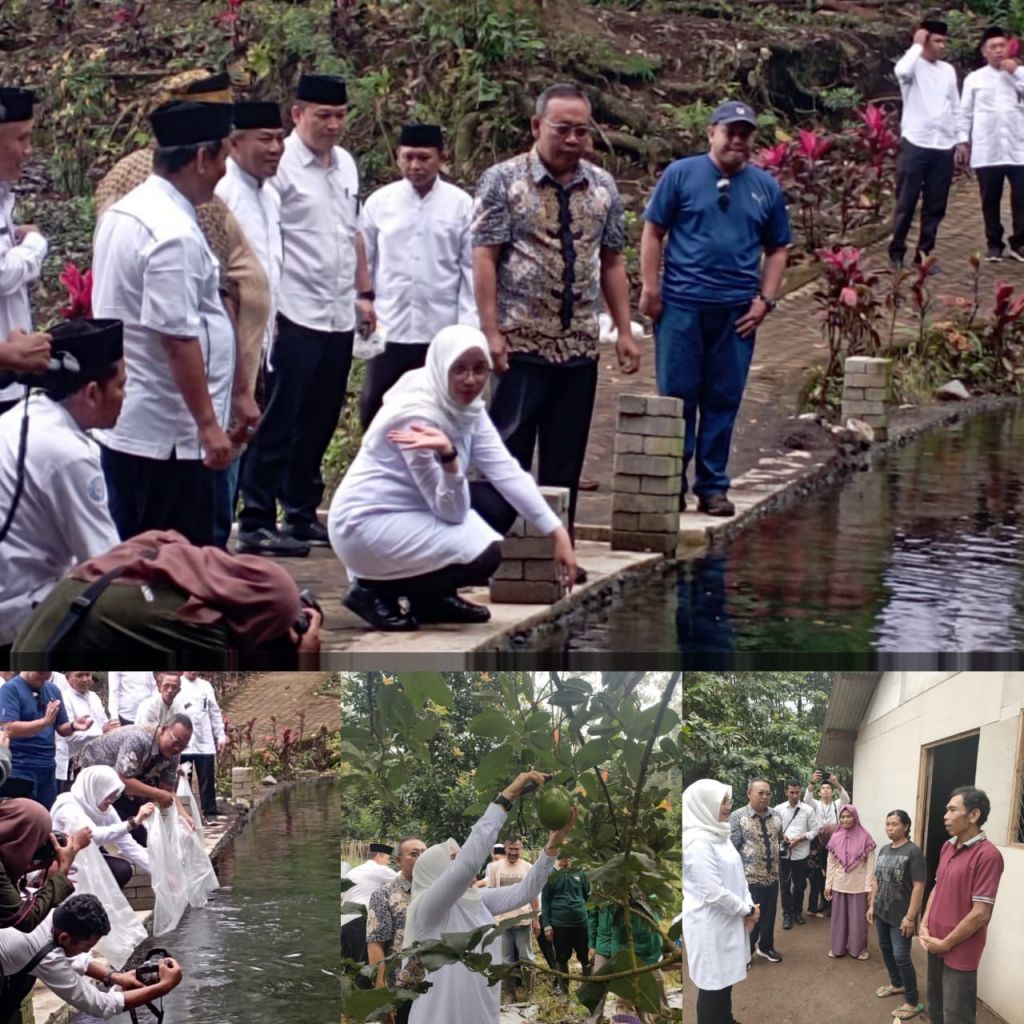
(909, 712)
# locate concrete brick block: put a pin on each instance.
(629, 444)
(241, 775)
(851, 394)
(518, 528)
(663, 405)
(525, 592)
(658, 522)
(142, 904)
(661, 484)
(650, 503)
(625, 483)
(651, 426)
(526, 547)
(624, 520)
(510, 569)
(556, 497)
(646, 465)
(543, 570)
(635, 405)
(631, 540)
(866, 364)
(860, 409)
(875, 394)
(663, 446)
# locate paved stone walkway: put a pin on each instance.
(283, 695)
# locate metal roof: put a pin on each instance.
(851, 696)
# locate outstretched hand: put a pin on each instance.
(421, 438)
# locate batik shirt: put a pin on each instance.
(385, 919)
(757, 839)
(549, 271)
(132, 751)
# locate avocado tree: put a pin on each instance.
(609, 740)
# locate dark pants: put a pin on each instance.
(159, 494)
(714, 1006)
(120, 868)
(6, 407)
(793, 877)
(353, 946)
(44, 783)
(952, 995)
(763, 935)
(701, 359)
(383, 372)
(990, 184)
(205, 769)
(498, 514)
(225, 485)
(127, 807)
(816, 880)
(568, 941)
(924, 174)
(547, 406)
(306, 392)
(547, 949)
(16, 988)
(895, 949)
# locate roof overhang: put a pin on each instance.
(851, 696)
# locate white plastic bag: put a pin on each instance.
(368, 346)
(126, 930)
(170, 887)
(200, 878)
(188, 801)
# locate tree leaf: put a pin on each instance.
(424, 686)
(491, 723)
(591, 754)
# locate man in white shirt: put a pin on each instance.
(198, 700)
(61, 517)
(80, 701)
(368, 877)
(516, 942)
(154, 270)
(928, 146)
(420, 255)
(159, 709)
(799, 827)
(324, 264)
(62, 937)
(126, 691)
(992, 125)
(22, 247)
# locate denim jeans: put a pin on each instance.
(896, 954)
(517, 944)
(700, 358)
(225, 489)
(44, 783)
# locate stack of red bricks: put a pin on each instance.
(648, 473)
(528, 574)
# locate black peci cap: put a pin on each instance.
(421, 135)
(183, 123)
(257, 114)
(16, 104)
(327, 89)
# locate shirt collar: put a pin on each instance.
(411, 193)
(307, 156)
(178, 198)
(539, 171)
(238, 171)
(970, 842)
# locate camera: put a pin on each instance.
(148, 972)
(303, 620)
(46, 853)
(61, 366)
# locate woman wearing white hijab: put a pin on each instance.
(444, 900)
(406, 521)
(717, 909)
(90, 803)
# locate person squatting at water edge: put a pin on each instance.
(444, 900)
(407, 522)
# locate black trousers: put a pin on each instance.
(16, 988)
(547, 406)
(127, 807)
(205, 768)
(714, 1006)
(763, 935)
(159, 494)
(306, 392)
(353, 946)
(952, 995)
(924, 174)
(383, 372)
(497, 513)
(120, 868)
(990, 185)
(568, 941)
(793, 879)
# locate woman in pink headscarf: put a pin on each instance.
(851, 866)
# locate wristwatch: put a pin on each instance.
(750, 912)
(371, 295)
(450, 457)
(770, 303)
(502, 801)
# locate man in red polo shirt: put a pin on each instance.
(955, 921)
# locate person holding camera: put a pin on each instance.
(444, 901)
(826, 813)
(158, 596)
(49, 951)
(52, 492)
(799, 828)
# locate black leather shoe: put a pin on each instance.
(787, 922)
(716, 505)
(381, 611)
(269, 542)
(799, 919)
(448, 608)
(309, 533)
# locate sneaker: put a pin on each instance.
(309, 533)
(994, 254)
(1017, 252)
(716, 505)
(787, 922)
(269, 542)
(772, 955)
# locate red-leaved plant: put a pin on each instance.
(79, 288)
(847, 296)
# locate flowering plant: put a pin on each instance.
(79, 288)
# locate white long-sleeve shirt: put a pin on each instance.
(800, 825)
(77, 704)
(827, 814)
(420, 256)
(398, 513)
(153, 712)
(367, 877)
(930, 100)
(199, 702)
(319, 222)
(991, 116)
(20, 265)
(126, 691)
(69, 816)
(459, 994)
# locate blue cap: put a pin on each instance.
(732, 112)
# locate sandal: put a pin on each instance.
(888, 990)
(832, 955)
(908, 1014)
(864, 956)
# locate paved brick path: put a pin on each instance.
(283, 694)
(788, 343)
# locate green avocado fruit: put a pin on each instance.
(554, 809)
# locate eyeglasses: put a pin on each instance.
(723, 193)
(579, 131)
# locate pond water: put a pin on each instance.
(265, 948)
(922, 553)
